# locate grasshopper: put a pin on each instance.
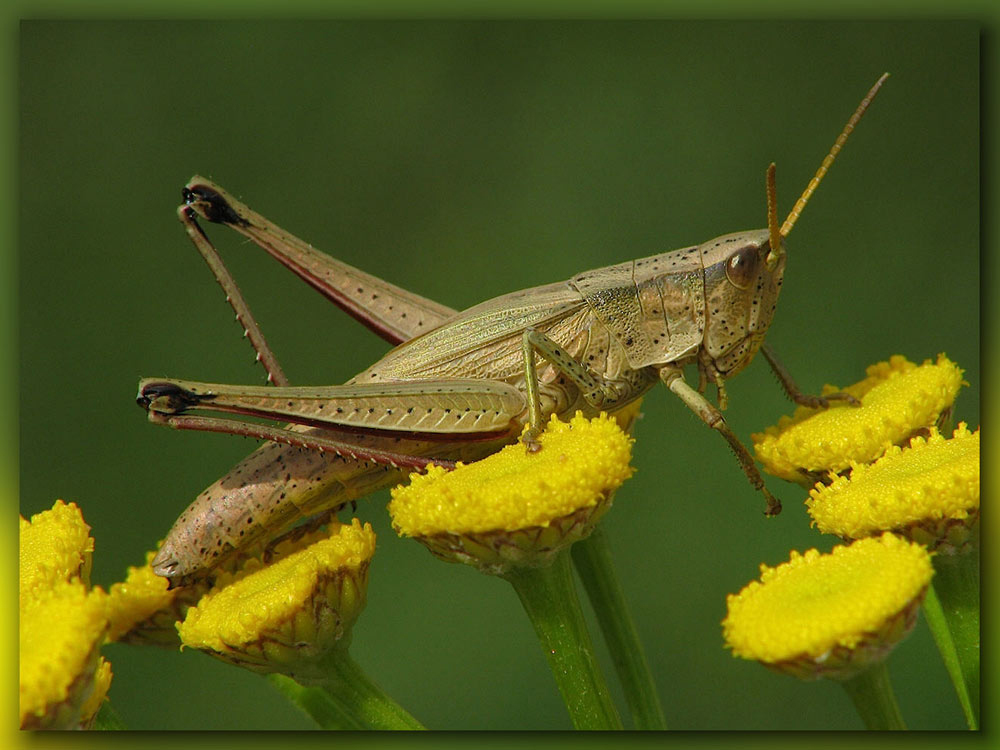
(459, 385)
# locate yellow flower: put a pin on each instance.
(518, 508)
(55, 546)
(830, 615)
(142, 610)
(928, 492)
(61, 632)
(63, 679)
(898, 400)
(628, 415)
(289, 615)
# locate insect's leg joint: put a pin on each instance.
(712, 417)
(212, 205)
(596, 391)
(168, 398)
(795, 393)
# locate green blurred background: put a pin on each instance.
(464, 160)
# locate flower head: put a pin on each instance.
(830, 615)
(55, 546)
(289, 615)
(62, 677)
(60, 636)
(515, 507)
(927, 491)
(899, 399)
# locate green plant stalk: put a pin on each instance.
(592, 557)
(348, 699)
(874, 698)
(549, 598)
(320, 707)
(952, 611)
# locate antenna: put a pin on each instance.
(837, 145)
(772, 220)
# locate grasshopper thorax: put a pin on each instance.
(715, 299)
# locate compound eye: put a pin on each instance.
(741, 268)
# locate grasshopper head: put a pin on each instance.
(742, 281)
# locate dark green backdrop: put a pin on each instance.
(464, 160)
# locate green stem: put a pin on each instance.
(592, 557)
(350, 686)
(348, 699)
(327, 713)
(549, 598)
(874, 698)
(952, 611)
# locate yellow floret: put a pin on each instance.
(806, 607)
(55, 546)
(933, 478)
(579, 464)
(897, 398)
(60, 633)
(140, 596)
